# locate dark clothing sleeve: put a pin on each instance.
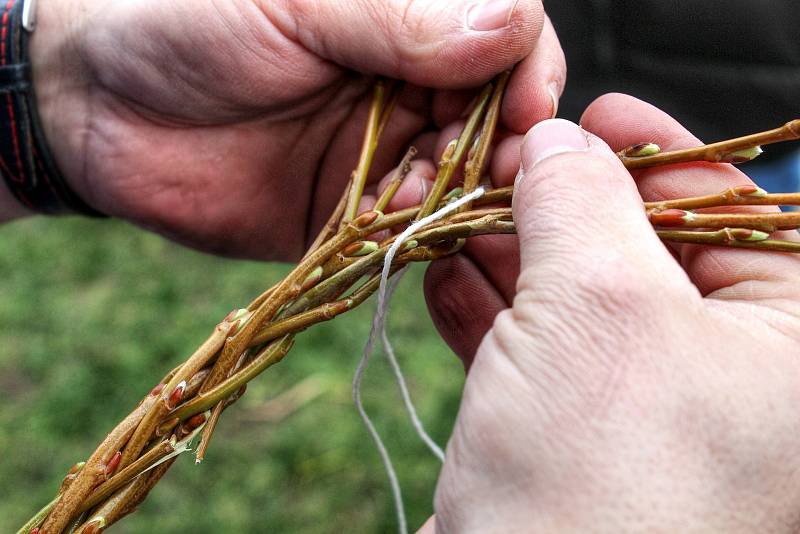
(721, 67)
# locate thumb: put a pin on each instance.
(578, 211)
(427, 42)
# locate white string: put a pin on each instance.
(401, 382)
(378, 325)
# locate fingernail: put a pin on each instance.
(553, 91)
(552, 137)
(490, 15)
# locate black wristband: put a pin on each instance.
(26, 164)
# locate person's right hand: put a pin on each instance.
(233, 125)
(622, 390)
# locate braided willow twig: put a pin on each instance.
(338, 273)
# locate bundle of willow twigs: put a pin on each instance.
(341, 269)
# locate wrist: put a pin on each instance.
(10, 207)
(61, 87)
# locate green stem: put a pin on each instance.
(37, 519)
(267, 357)
(368, 147)
(449, 162)
(476, 163)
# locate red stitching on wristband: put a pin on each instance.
(12, 118)
(43, 172)
(4, 166)
(5, 28)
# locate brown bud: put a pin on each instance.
(194, 422)
(366, 218)
(746, 234)
(749, 190)
(360, 248)
(670, 217)
(176, 396)
(158, 389)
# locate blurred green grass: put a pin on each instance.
(92, 314)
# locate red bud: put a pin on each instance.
(194, 422)
(749, 191)
(176, 396)
(746, 234)
(670, 217)
(313, 278)
(112, 464)
(360, 248)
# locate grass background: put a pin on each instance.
(92, 314)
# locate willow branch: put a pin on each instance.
(174, 391)
(268, 356)
(454, 155)
(743, 195)
(125, 500)
(37, 519)
(766, 222)
(108, 488)
(93, 471)
(368, 147)
(396, 180)
(721, 152)
(394, 90)
(290, 287)
(477, 159)
(332, 224)
(728, 237)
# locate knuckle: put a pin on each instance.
(614, 288)
(407, 29)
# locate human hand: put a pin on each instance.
(233, 126)
(622, 390)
